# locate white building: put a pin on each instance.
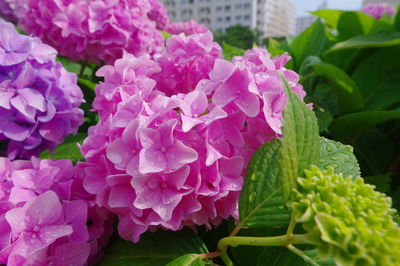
(390, 2)
(272, 17)
(304, 22)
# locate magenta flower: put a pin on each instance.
(50, 219)
(158, 14)
(176, 132)
(95, 31)
(161, 151)
(188, 28)
(379, 10)
(6, 10)
(39, 99)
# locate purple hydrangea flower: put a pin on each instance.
(187, 28)
(39, 99)
(379, 10)
(6, 10)
(46, 217)
(96, 31)
(176, 132)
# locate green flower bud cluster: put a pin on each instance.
(347, 219)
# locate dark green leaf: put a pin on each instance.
(380, 39)
(351, 24)
(229, 51)
(397, 19)
(67, 150)
(187, 260)
(312, 41)
(325, 118)
(300, 141)
(348, 125)
(346, 90)
(339, 156)
(154, 249)
(260, 203)
(279, 256)
(382, 182)
(378, 78)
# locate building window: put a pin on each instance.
(238, 17)
(227, 8)
(247, 5)
(238, 6)
(247, 17)
(191, 1)
(220, 19)
(219, 8)
(227, 19)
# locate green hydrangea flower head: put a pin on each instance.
(347, 219)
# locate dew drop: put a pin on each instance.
(329, 148)
(254, 177)
(251, 198)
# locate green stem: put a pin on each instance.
(83, 66)
(225, 258)
(283, 240)
(300, 253)
(291, 226)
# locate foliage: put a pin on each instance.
(239, 36)
(351, 76)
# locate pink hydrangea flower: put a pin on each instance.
(159, 14)
(6, 11)
(96, 31)
(176, 132)
(46, 216)
(187, 27)
(379, 10)
(39, 99)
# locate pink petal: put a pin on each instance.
(151, 162)
(179, 155)
(249, 104)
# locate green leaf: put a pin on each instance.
(397, 19)
(325, 118)
(67, 150)
(300, 141)
(380, 39)
(348, 125)
(279, 256)
(313, 253)
(229, 51)
(378, 78)
(159, 248)
(187, 260)
(360, 24)
(260, 202)
(339, 156)
(381, 182)
(312, 41)
(87, 83)
(346, 90)
(329, 16)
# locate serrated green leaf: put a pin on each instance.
(344, 87)
(380, 39)
(300, 142)
(260, 202)
(229, 51)
(348, 125)
(339, 156)
(154, 249)
(187, 260)
(67, 150)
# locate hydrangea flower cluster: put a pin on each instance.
(6, 12)
(159, 14)
(347, 219)
(379, 10)
(187, 27)
(46, 217)
(39, 99)
(173, 156)
(96, 30)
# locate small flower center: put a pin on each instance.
(163, 149)
(36, 228)
(164, 185)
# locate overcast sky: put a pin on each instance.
(310, 5)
